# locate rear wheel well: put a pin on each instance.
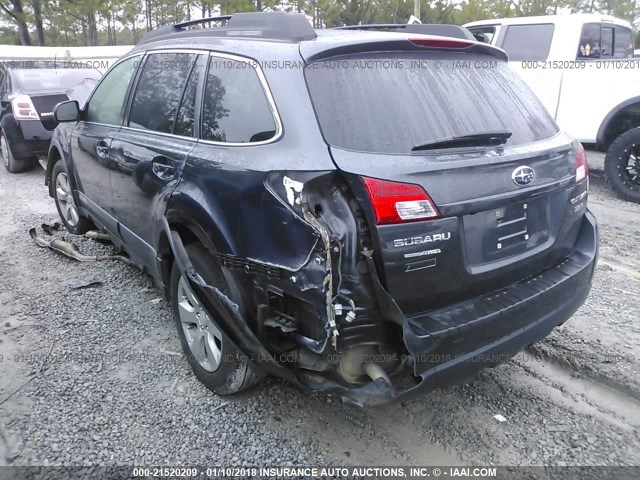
(166, 255)
(54, 157)
(623, 121)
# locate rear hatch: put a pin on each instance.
(501, 207)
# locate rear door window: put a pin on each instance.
(159, 90)
(236, 106)
(528, 42)
(185, 119)
(406, 99)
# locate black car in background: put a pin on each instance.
(374, 214)
(27, 98)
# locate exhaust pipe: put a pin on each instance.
(71, 250)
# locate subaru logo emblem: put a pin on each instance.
(523, 175)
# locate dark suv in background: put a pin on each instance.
(28, 93)
(369, 213)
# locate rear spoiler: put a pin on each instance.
(368, 41)
(441, 30)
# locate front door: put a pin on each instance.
(92, 137)
(148, 153)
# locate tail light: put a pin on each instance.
(23, 108)
(582, 169)
(395, 202)
(436, 42)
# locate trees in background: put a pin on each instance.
(112, 22)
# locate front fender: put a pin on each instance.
(59, 149)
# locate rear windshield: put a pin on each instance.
(390, 102)
(54, 79)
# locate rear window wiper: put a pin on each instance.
(480, 139)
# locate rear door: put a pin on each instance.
(504, 210)
(91, 139)
(148, 153)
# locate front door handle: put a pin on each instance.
(102, 149)
(163, 168)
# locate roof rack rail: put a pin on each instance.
(293, 27)
(443, 30)
(221, 18)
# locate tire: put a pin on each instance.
(67, 209)
(622, 165)
(11, 163)
(202, 341)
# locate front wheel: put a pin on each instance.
(622, 165)
(214, 359)
(65, 203)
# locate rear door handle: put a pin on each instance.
(163, 168)
(102, 149)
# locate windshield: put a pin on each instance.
(389, 102)
(58, 79)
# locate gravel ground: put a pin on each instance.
(107, 383)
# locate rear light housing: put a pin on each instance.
(437, 42)
(395, 202)
(23, 109)
(582, 168)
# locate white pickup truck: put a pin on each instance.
(581, 67)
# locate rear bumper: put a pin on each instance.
(28, 138)
(453, 343)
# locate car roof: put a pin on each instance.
(574, 18)
(260, 35)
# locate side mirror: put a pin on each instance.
(68, 111)
(4, 102)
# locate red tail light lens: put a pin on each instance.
(582, 169)
(437, 42)
(395, 202)
(23, 109)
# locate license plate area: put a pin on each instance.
(512, 227)
(506, 231)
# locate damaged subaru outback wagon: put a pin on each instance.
(373, 214)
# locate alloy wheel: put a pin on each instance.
(65, 200)
(202, 335)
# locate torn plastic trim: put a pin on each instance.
(71, 250)
(387, 305)
(226, 314)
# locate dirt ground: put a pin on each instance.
(95, 375)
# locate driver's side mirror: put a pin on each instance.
(4, 102)
(68, 111)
